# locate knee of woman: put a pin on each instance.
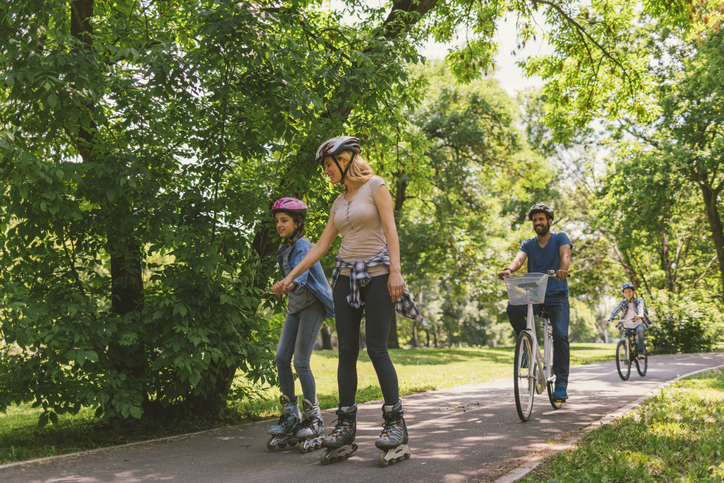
(378, 355)
(280, 360)
(301, 366)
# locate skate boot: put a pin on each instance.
(393, 439)
(310, 432)
(340, 443)
(283, 433)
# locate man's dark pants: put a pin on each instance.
(559, 315)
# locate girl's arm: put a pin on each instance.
(615, 311)
(313, 256)
(383, 201)
(641, 309)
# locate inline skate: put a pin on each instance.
(393, 439)
(340, 443)
(310, 432)
(283, 433)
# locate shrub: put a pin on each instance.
(684, 324)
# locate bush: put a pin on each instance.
(684, 324)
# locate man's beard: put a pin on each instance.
(543, 230)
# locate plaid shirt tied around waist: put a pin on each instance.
(359, 277)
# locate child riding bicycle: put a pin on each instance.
(633, 316)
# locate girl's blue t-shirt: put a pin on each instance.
(540, 260)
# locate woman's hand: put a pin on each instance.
(283, 286)
(605, 321)
(396, 286)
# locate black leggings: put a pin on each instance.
(379, 309)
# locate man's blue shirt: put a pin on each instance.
(540, 260)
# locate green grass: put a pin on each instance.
(675, 436)
(418, 370)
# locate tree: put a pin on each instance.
(141, 146)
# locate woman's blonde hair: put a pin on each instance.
(358, 171)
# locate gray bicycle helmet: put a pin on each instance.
(332, 147)
(540, 208)
(627, 285)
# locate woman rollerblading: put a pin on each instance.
(310, 432)
(310, 302)
(340, 443)
(367, 278)
(283, 433)
(393, 440)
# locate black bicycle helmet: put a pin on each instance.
(540, 208)
(332, 147)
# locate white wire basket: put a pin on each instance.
(526, 288)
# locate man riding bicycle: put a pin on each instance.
(547, 251)
(633, 316)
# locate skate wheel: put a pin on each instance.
(303, 448)
(282, 445)
(407, 456)
(324, 459)
(269, 444)
(383, 462)
(292, 443)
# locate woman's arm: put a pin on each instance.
(383, 201)
(313, 256)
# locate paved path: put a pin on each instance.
(465, 434)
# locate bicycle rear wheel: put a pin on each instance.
(642, 365)
(524, 375)
(623, 363)
(556, 404)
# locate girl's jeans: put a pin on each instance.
(379, 311)
(639, 337)
(298, 337)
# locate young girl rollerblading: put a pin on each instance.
(367, 278)
(310, 302)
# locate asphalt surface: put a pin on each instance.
(466, 434)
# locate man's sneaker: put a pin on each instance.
(559, 394)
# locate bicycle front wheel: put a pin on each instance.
(524, 375)
(623, 363)
(642, 365)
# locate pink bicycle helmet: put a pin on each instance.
(290, 205)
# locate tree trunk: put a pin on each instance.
(717, 232)
(326, 337)
(414, 342)
(393, 340)
(666, 263)
(126, 280)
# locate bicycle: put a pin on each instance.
(627, 352)
(528, 289)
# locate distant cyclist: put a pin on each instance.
(633, 316)
(547, 251)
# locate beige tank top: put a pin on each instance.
(360, 225)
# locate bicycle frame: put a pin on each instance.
(545, 362)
